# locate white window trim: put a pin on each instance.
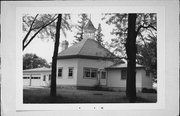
(71, 77)
(61, 72)
(84, 77)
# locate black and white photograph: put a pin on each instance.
(89, 58)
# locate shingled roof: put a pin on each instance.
(87, 48)
(122, 65)
(89, 27)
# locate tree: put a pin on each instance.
(54, 58)
(132, 30)
(52, 31)
(42, 26)
(99, 35)
(33, 61)
(36, 25)
(131, 58)
(80, 27)
(119, 21)
(147, 56)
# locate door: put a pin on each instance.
(36, 80)
(103, 77)
(26, 80)
(45, 80)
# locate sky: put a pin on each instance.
(44, 48)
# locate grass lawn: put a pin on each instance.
(41, 95)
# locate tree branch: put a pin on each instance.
(46, 23)
(24, 46)
(30, 29)
(144, 44)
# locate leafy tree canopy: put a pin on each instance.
(145, 25)
(99, 35)
(83, 18)
(33, 61)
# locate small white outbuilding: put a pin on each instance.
(117, 75)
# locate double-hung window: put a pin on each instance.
(70, 72)
(44, 78)
(60, 70)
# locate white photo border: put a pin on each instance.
(160, 10)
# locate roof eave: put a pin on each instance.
(121, 67)
(83, 56)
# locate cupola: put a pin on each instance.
(89, 30)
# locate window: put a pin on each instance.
(49, 77)
(44, 78)
(70, 73)
(123, 74)
(147, 73)
(103, 75)
(90, 73)
(60, 72)
(87, 72)
(25, 77)
(35, 77)
(93, 73)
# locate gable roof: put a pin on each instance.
(87, 48)
(122, 65)
(38, 69)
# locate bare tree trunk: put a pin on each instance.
(54, 58)
(131, 58)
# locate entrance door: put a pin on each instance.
(45, 80)
(103, 77)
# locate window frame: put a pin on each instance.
(26, 77)
(49, 77)
(94, 71)
(61, 72)
(84, 73)
(125, 72)
(90, 73)
(35, 77)
(44, 77)
(70, 77)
